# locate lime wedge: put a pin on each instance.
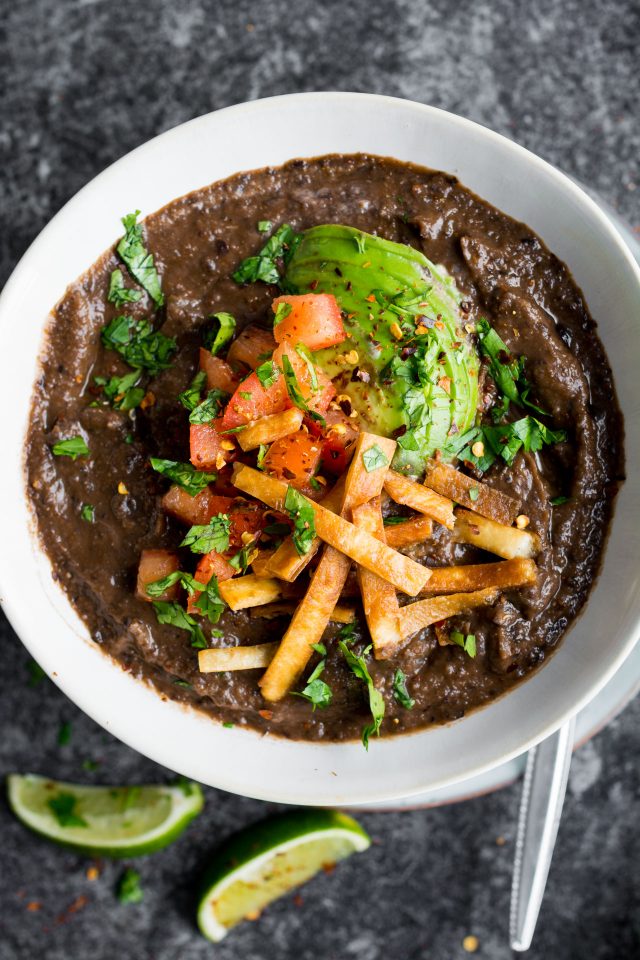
(104, 821)
(261, 863)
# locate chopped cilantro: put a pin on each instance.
(171, 613)
(240, 561)
(73, 447)
(244, 394)
(557, 501)
(264, 226)
(190, 398)
(262, 452)
(468, 642)
(400, 692)
(181, 683)
(507, 371)
(265, 265)
(184, 474)
(138, 260)
(64, 734)
(474, 493)
(303, 516)
(129, 438)
(90, 765)
(139, 344)
(63, 807)
(373, 458)
(119, 294)
(293, 389)
(376, 700)
(316, 691)
(267, 373)
(210, 407)
(303, 351)
(209, 536)
(222, 331)
(282, 312)
(122, 392)
(36, 673)
(347, 633)
(88, 513)
(228, 725)
(393, 521)
(128, 889)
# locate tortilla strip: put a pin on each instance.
(249, 591)
(270, 428)
(381, 608)
(416, 616)
(260, 564)
(418, 497)
(405, 574)
(315, 610)
(286, 563)
(519, 572)
(236, 658)
(489, 502)
(507, 542)
(286, 608)
(405, 534)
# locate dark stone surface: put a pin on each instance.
(83, 82)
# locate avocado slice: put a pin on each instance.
(425, 380)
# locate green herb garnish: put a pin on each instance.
(190, 398)
(128, 889)
(265, 264)
(468, 642)
(400, 692)
(119, 294)
(138, 260)
(262, 452)
(264, 226)
(303, 351)
(139, 344)
(172, 614)
(557, 501)
(223, 329)
(184, 474)
(295, 394)
(63, 807)
(268, 374)
(376, 700)
(73, 447)
(474, 493)
(303, 516)
(210, 536)
(36, 673)
(122, 392)
(282, 312)
(316, 691)
(373, 458)
(64, 734)
(210, 407)
(88, 513)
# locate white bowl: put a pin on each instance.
(191, 156)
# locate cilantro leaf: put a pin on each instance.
(268, 373)
(265, 264)
(210, 604)
(190, 398)
(184, 474)
(128, 889)
(558, 501)
(400, 692)
(64, 734)
(122, 392)
(282, 312)
(303, 516)
(373, 458)
(295, 394)
(209, 536)
(316, 691)
(118, 293)
(222, 331)
(303, 351)
(171, 613)
(63, 807)
(139, 344)
(210, 407)
(468, 642)
(264, 226)
(73, 447)
(376, 700)
(138, 260)
(88, 513)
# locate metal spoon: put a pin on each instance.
(543, 790)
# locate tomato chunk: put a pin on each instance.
(318, 399)
(294, 459)
(155, 565)
(251, 401)
(220, 376)
(338, 442)
(194, 510)
(245, 518)
(251, 347)
(207, 445)
(314, 320)
(212, 564)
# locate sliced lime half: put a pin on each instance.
(104, 821)
(261, 863)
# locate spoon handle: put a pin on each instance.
(543, 790)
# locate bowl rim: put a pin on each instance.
(121, 728)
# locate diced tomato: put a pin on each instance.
(194, 510)
(207, 445)
(245, 518)
(220, 376)
(339, 442)
(314, 320)
(251, 347)
(212, 564)
(317, 400)
(294, 459)
(155, 565)
(251, 401)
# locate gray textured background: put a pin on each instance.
(83, 82)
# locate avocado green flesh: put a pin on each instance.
(352, 266)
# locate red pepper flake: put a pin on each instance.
(445, 384)
(328, 867)
(313, 284)
(365, 265)
(266, 714)
(33, 906)
(439, 324)
(78, 904)
(298, 900)
(371, 298)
